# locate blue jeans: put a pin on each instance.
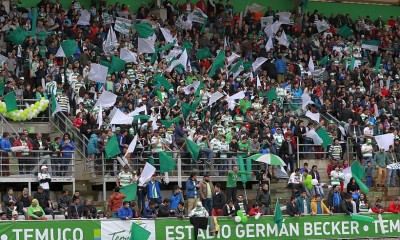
(368, 181)
(64, 165)
(289, 162)
(207, 204)
(208, 152)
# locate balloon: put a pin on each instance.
(237, 219)
(245, 219)
(347, 177)
(40, 108)
(314, 182)
(23, 118)
(239, 213)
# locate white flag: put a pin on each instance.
(106, 99)
(231, 58)
(225, 44)
(181, 61)
(137, 111)
(313, 116)
(147, 173)
(111, 42)
(314, 136)
(283, 40)
(98, 73)
(121, 118)
(215, 97)
(258, 82)
(194, 85)
(100, 116)
(272, 29)
(84, 19)
(284, 17)
(258, 62)
(322, 25)
(112, 113)
(311, 64)
(132, 145)
(173, 53)
(385, 140)
(60, 52)
(235, 74)
(306, 99)
(146, 45)
(167, 35)
(269, 45)
(128, 56)
(231, 99)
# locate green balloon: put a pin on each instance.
(244, 219)
(239, 213)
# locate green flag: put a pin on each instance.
(17, 36)
(378, 64)
(141, 117)
(166, 47)
(2, 88)
(151, 161)
(117, 64)
(69, 47)
(129, 191)
(144, 30)
(167, 163)
(193, 148)
(163, 81)
(236, 66)
(34, 21)
(112, 147)
(324, 60)
(201, 86)
(168, 123)
(194, 105)
(294, 107)
(185, 110)
(55, 107)
(159, 95)
(358, 173)
(352, 62)
(203, 53)
(327, 140)
(247, 66)
(139, 233)
(187, 45)
(11, 102)
(242, 169)
(271, 95)
(172, 102)
(219, 62)
(345, 32)
(278, 217)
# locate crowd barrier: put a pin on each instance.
(308, 227)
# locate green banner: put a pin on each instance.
(50, 230)
(309, 227)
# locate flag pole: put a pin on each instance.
(245, 193)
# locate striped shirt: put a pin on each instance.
(51, 88)
(125, 178)
(335, 151)
(77, 85)
(63, 101)
(158, 147)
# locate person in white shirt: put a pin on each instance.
(369, 131)
(296, 180)
(367, 150)
(44, 179)
(199, 211)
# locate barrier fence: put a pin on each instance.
(307, 227)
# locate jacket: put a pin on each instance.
(163, 211)
(92, 145)
(393, 208)
(18, 143)
(346, 207)
(123, 213)
(175, 200)
(191, 190)
(75, 212)
(263, 198)
(292, 209)
(300, 205)
(148, 212)
(285, 148)
(325, 209)
(315, 175)
(5, 144)
(36, 145)
(115, 201)
(150, 189)
(218, 200)
(226, 210)
(330, 199)
(203, 189)
(280, 66)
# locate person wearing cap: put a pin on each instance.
(44, 179)
(367, 151)
(125, 177)
(381, 160)
(100, 215)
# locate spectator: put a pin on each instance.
(9, 197)
(192, 191)
(381, 161)
(206, 193)
(44, 201)
(287, 150)
(153, 190)
(180, 211)
(75, 209)
(44, 179)
(264, 199)
(292, 208)
(218, 200)
(3, 216)
(295, 179)
(378, 208)
(254, 210)
(164, 209)
(241, 205)
(199, 211)
(353, 188)
(67, 148)
(63, 203)
(125, 212)
(24, 163)
(24, 202)
(304, 204)
(394, 206)
(175, 198)
(368, 174)
(149, 210)
(115, 202)
(88, 210)
(334, 199)
(315, 175)
(5, 148)
(391, 173)
(347, 205)
(125, 177)
(35, 211)
(318, 206)
(362, 204)
(367, 150)
(229, 209)
(231, 182)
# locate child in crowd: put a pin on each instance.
(368, 174)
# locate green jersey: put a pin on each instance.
(233, 177)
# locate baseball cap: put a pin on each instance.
(43, 167)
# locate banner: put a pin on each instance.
(265, 21)
(122, 229)
(308, 227)
(198, 16)
(107, 19)
(122, 25)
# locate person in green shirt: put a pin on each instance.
(307, 182)
(231, 183)
(381, 160)
(244, 147)
(35, 211)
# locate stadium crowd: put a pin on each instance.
(358, 87)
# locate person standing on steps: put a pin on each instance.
(231, 183)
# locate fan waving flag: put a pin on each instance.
(193, 148)
(326, 138)
(67, 48)
(372, 45)
(112, 147)
(129, 191)
(358, 173)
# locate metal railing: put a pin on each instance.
(28, 164)
(43, 117)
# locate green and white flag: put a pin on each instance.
(378, 64)
(111, 42)
(198, 16)
(371, 45)
(167, 35)
(181, 61)
(123, 25)
(55, 107)
(67, 48)
(147, 45)
(128, 56)
(219, 62)
(84, 19)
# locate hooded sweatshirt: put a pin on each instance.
(32, 211)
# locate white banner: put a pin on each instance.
(393, 166)
(385, 140)
(265, 21)
(122, 25)
(107, 19)
(122, 229)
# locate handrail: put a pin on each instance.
(14, 133)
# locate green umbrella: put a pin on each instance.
(270, 159)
